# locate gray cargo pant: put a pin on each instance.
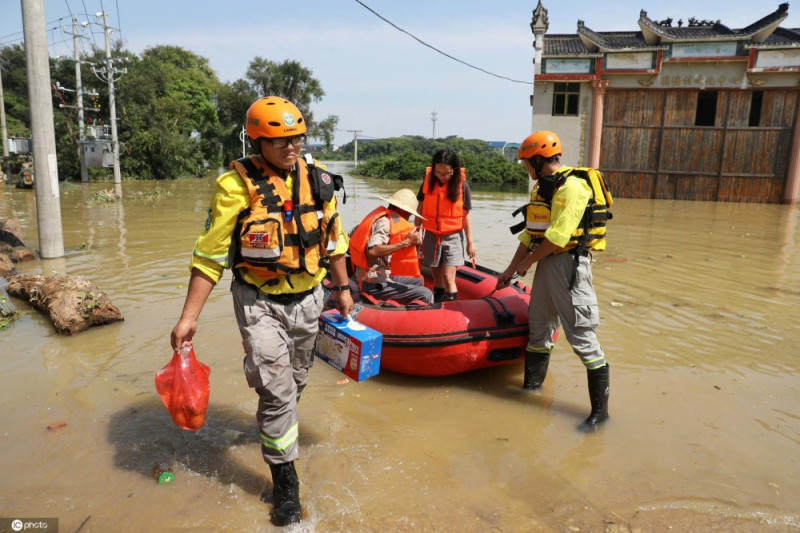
(552, 302)
(279, 337)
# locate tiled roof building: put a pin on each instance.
(680, 108)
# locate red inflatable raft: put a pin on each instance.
(483, 328)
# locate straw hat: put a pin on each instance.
(406, 200)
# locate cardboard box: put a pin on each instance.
(349, 346)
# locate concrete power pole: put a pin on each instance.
(3, 117)
(79, 92)
(48, 207)
(433, 119)
(355, 145)
(112, 106)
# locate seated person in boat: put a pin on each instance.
(383, 250)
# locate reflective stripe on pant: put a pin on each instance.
(552, 303)
(278, 341)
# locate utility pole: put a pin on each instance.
(3, 117)
(355, 144)
(109, 75)
(79, 92)
(37, 62)
(433, 119)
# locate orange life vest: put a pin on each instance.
(404, 262)
(271, 241)
(443, 216)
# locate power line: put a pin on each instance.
(436, 49)
(18, 35)
(119, 23)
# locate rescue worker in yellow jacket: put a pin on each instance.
(562, 285)
(383, 250)
(274, 221)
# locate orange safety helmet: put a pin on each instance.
(274, 116)
(543, 143)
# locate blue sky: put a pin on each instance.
(377, 79)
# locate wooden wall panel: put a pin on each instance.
(630, 184)
(652, 149)
(694, 149)
(630, 148)
(750, 190)
(738, 108)
(636, 107)
(696, 187)
(680, 108)
(664, 188)
(779, 109)
(756, 151)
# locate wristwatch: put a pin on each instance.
(339, 288)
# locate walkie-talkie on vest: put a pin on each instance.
(288, 210)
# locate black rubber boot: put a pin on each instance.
(285, 494)
(450, 296)
(598, 395)
(438, 294)
(535, 369)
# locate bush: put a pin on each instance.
(407, 158)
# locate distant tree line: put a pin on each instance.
(405, 158)
(177, 119)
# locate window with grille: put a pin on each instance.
(565, 98)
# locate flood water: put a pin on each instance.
(699, 319)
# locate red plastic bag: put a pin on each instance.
(184, 388)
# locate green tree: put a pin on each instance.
(65, 118)
(405, 158)
(169, 122)
(15, 89)
(15, 95)
(289, 79)
(174, 116)
(294, 82)
(233, 100)
(326, 129)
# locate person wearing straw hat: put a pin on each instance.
(383, 250)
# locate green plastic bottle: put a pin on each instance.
(162, 474)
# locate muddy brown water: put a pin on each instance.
(699, 318)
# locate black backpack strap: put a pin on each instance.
(516, 228)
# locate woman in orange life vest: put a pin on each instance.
(445, 203)
(383, 248)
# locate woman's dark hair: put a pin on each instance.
(447, 157)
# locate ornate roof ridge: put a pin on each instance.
(592, 36)
(655, 31)
(775, 17)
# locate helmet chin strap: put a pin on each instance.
(537, 162)
(255, 144)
